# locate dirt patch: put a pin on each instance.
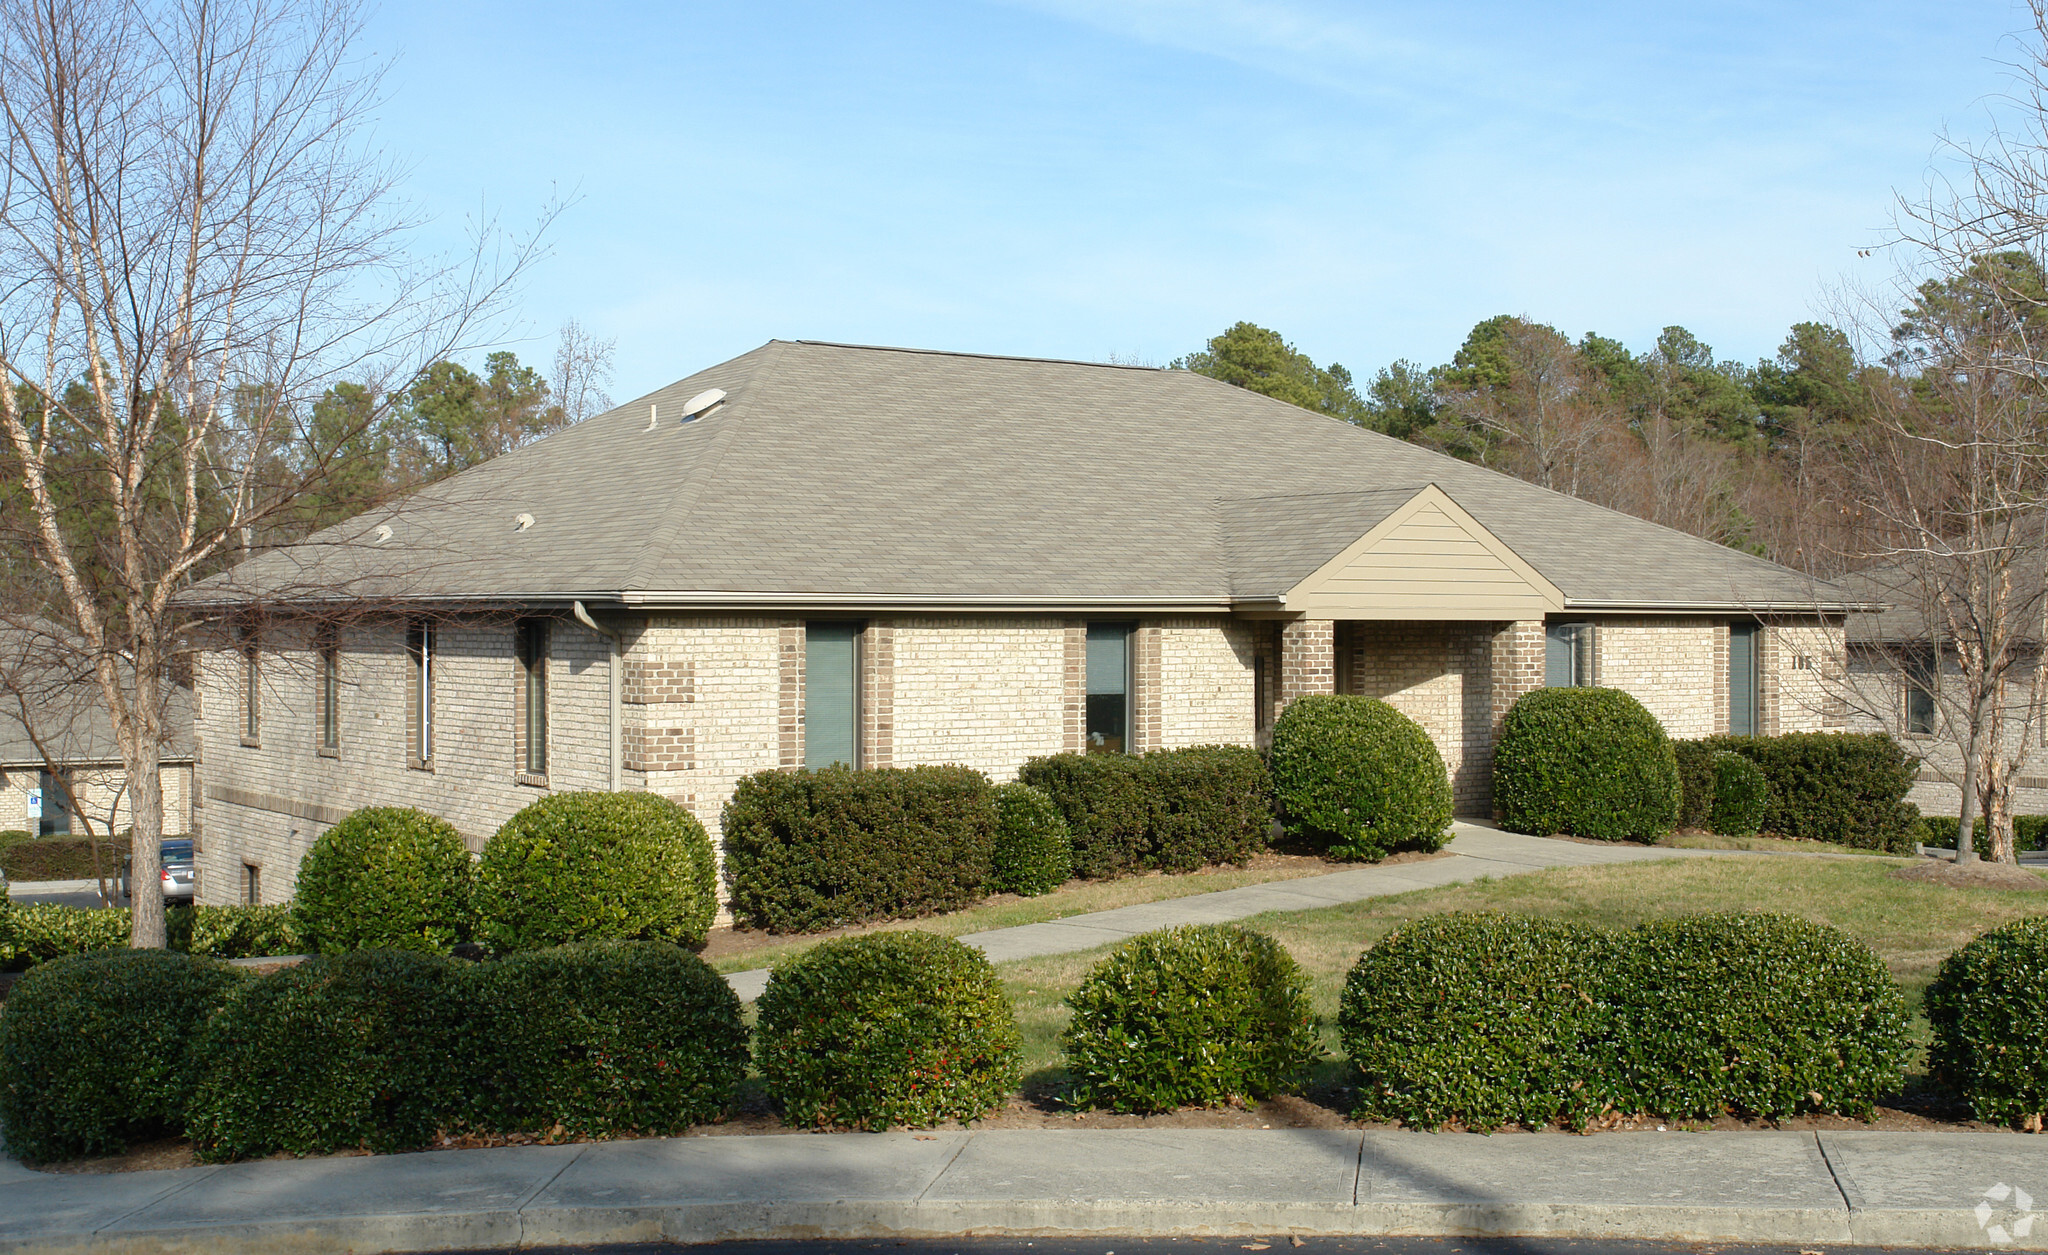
(1977, 875)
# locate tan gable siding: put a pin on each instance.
(1428, 560)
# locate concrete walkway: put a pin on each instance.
(1907, 1189)
(1477, 850)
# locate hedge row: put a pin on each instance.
(1170, 810)
(30, 858)
(1492, 1020)
(809, 850)
(2029, 832)
(1846, 787)
(380, 1049)
(37, 932)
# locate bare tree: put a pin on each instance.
(583, 369)
(1547, 422)
(196, 246)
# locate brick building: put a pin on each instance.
(821, 553)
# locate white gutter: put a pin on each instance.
(611, 683)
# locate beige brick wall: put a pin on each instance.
(104, 795)
(1667, 664)
(1439, 675)
(1806, 677)
(265, 803)
(982, 691)
(1206, 691)
(731, 715)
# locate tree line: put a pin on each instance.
(1719, 448)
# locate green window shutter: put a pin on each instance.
(1742, 685)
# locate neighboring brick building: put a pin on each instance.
(888, 557)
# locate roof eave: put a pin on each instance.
(1714, 607)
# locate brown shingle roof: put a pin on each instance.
(893, 473)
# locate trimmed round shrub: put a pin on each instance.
(1359, 778)
(1192, 1016)
(807, 850)
(1479, 1018)
(1741, 796)
(1585, 762)
(1210, 804)
(1988, 1007)
(1032, 854)
(1760, 1015)
(1109, 805)
(385, 877)
(592, 866)
(891, 1028)
(95, 1049)
(1695, 783)
(377, 1050)
(608, 1037)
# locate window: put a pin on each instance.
(56, 818)
(1109, 688)
(530, 644)
(1919, 695)
(831, 695)
(1744, 689)
(252, 691)
(252, 885)
(327, 700)
(1568, 655)
(419, 695)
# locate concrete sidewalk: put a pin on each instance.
(1477, 850)
(1911, 1189)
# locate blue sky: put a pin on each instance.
(1061, 178)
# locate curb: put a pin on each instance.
(1813, 1190)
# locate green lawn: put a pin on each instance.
(1911, 925)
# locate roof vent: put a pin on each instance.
(653, 418)
(520, 522)
(382, 534)
(700, 405)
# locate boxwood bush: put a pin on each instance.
(1741, 796)
(1359, 779)
(385, 877)
(1479, 1018)
(1108, 805)
(1192, 1016)
(1845, 787)
(808, 850)
(1210, 804)
(1169, 810)
(608, 1037)
(891, 1028)
(1988, 1007)
(1032, 853)
(379, 1050)
(36, 932)
(234, 932)
(95, 1049)
(1695, 783)
(1761, 1015)
(591, 866)
(61, 858)
(1585, 762)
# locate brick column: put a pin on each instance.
(1515, 666)
(878, 695)
(1308, 659)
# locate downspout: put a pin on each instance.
(611, 682)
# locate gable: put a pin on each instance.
(1429, 559)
